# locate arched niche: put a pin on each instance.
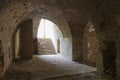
(90, 45)
(22, 40)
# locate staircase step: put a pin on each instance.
(45, 46)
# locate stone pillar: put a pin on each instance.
(36, 23)
(99, 59)
(26, 40)
(77, 48)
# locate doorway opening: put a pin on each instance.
(22, 41)
(91, 45)
(48, 38)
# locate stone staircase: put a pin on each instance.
(45, 46)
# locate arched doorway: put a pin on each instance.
(47, 36)
(91, 45)
(54, 30)
(22, 41)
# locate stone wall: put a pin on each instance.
(1, 59)
(36, 23)
(103, 14)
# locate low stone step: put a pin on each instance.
(45, 46)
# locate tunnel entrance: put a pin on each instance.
(62, 45)
(47, 37)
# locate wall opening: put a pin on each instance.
(52, 29)
(90, 45)
(22, 41)
(48, 37)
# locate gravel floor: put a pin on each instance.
(47, 67)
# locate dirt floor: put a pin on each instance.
(84, 76)
(49, 67)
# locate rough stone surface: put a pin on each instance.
(90, 45)
(44, 67)
(75, 14)
(26, 40)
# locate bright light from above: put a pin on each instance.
(46, 29)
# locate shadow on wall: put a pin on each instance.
(22, 46)
(35, 46)
(109, 58)
(1, 59)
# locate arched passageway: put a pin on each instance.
(64, 37)
(23, 41)
(52, 65)
(71, 18)
(47, 36)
